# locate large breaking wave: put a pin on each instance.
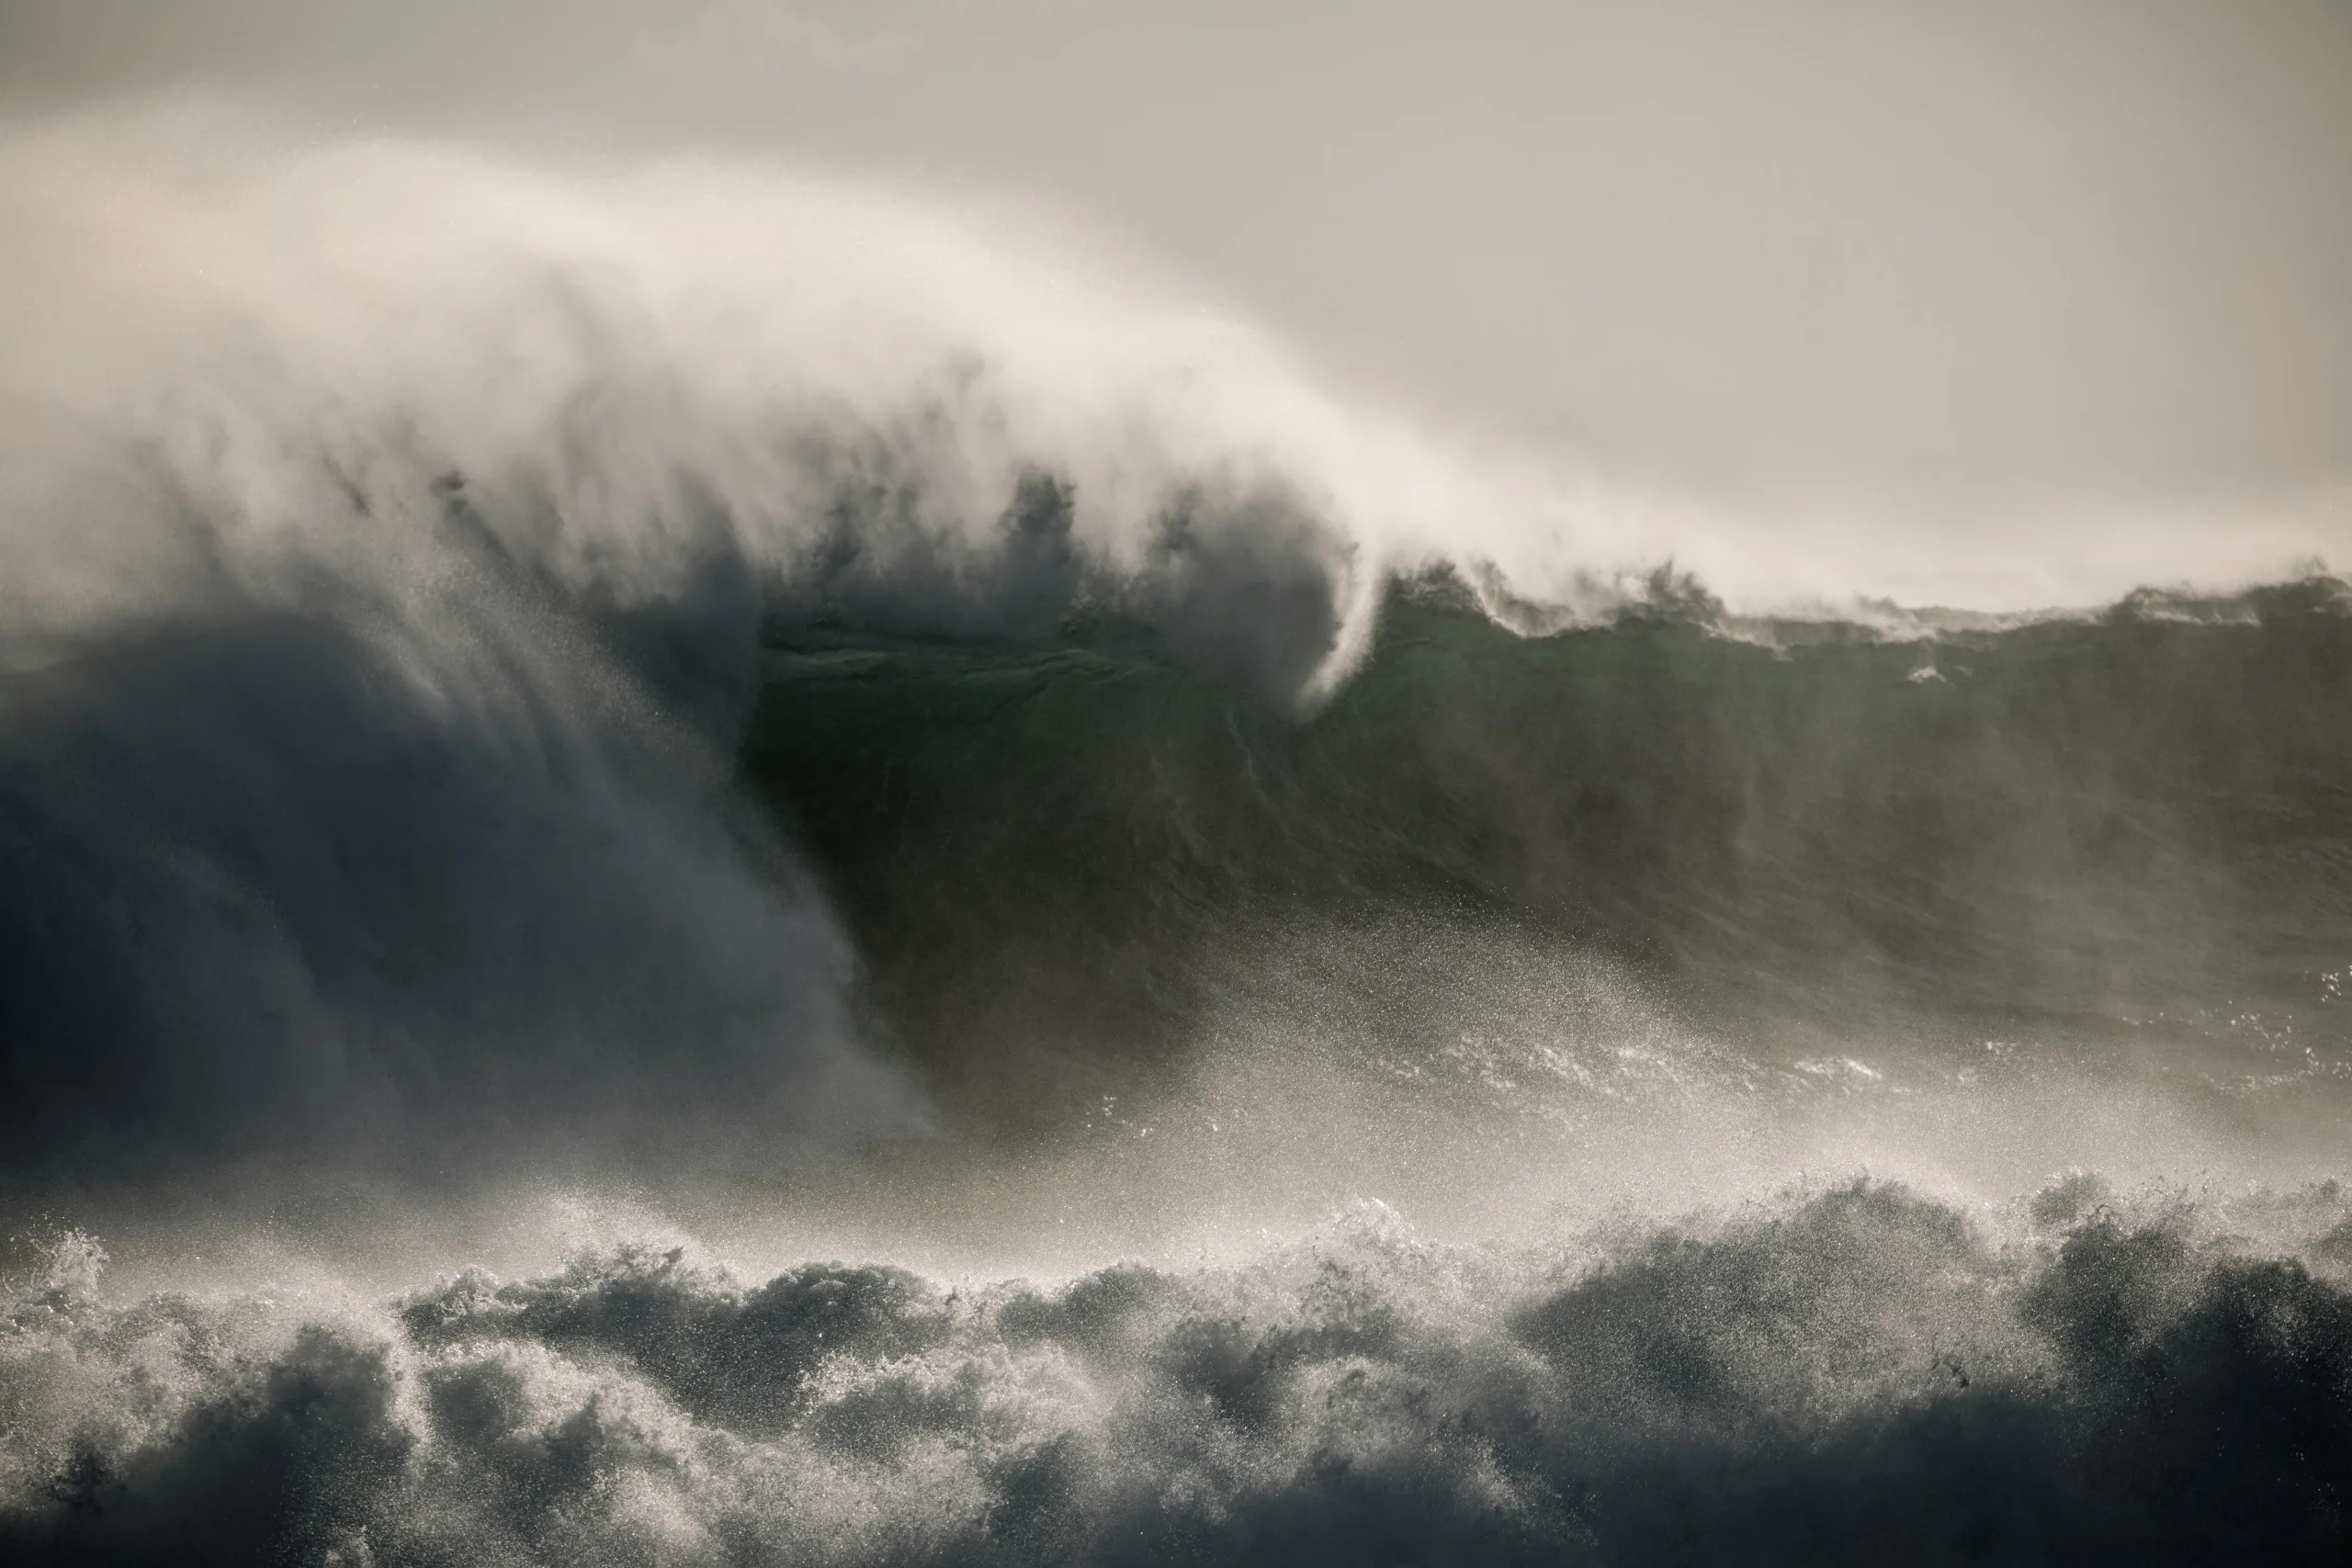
(853, 729)
(389, 538)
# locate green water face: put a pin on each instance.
(2132, 833)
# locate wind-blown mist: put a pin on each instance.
(727, 696)
(390, 536)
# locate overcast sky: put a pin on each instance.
(1975, 256)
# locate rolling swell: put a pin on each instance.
(1858, 1376)
(2093, 832)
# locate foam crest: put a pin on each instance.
(1849, 1374)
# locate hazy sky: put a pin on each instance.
(1983, 254)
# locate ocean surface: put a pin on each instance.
(664, 900)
